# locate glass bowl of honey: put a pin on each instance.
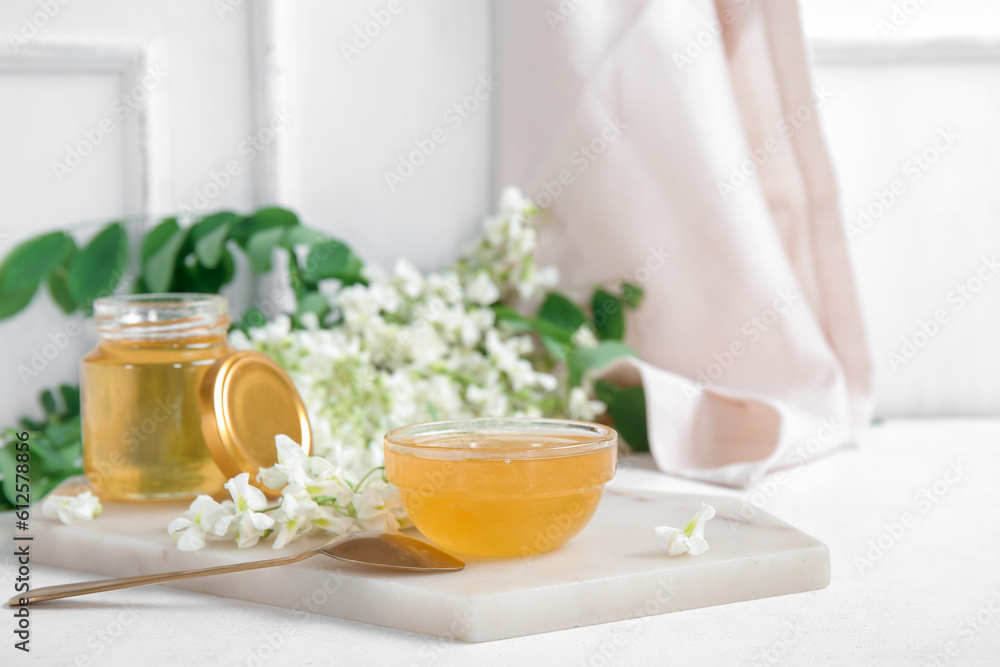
(501, 487)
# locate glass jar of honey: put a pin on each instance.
(142, 430)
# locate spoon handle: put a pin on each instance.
(83, 588)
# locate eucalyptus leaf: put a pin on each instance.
(582, 359)
(609, 320)
(98, 267)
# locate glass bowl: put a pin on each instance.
(501, 487)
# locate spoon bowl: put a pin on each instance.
(392, 551)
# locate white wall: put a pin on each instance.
(361, 104)
(901, 74)
(231, 65)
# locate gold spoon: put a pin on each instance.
(386, 550)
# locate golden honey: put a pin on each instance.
(142, 431)
(501, 487)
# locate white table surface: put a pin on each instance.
(929, 593)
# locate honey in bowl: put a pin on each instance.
(501, 487)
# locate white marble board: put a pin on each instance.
(615, 570)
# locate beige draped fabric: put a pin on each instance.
(676, 145)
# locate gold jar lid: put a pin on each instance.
(246, 400)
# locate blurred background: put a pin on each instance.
(117, 107)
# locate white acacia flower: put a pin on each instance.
(375, 512)
(290, 458)
(72, 510)
(583, 337)
(249, 523)
(690, 539)
(205, 520)
(481, 290)
(293, 518)
(581, 406)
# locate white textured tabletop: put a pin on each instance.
(912, 520)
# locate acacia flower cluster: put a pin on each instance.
(316, 497)
(408, 347)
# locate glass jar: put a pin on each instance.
(142, 431)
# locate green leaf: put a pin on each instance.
(71, 399)
(27, 264)
(582, 359)
(208, 249)
(332, 259)
(48, 401)
(64, 433)
(14, 302)
(313, 302)
(59, 289)
(627, 409)
(210, 224)
(8, 467)
(251, 319)
(632, 295)
(563, 313)
(299, 235)
(609, 321)
(159, 255)
(265, 218)
(261, 247)
(98, 268)
(196, 278)
(228, 265)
